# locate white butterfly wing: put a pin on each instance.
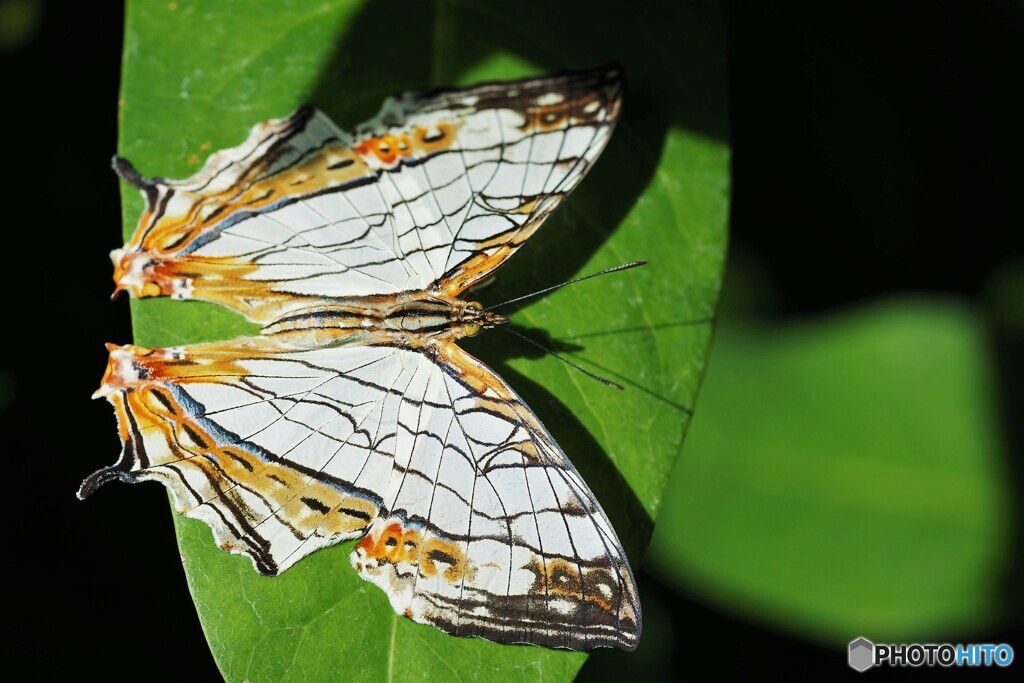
(439, 186)
(488, 530)
(475, 521)
(281, 452)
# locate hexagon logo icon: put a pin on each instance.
(862, 654)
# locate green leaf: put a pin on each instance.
(197, 75)
(843, 477)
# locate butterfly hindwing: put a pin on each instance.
(488, 530)
(477, 522)
(280, 451)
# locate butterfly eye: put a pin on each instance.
(471, 330)
(475, 305)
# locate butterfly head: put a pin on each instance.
(474, 318)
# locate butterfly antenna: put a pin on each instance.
(624, 266)
(568, 362)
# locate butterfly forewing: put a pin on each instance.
(340, 423)
(438, 190)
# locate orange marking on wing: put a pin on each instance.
(475, 269)
(388, 150)
(441, 137)
(587, 109)
(494, 394)
(436, 551)
(558, 577)
(136, 381)
(474, 373)
(495, 251)
(130, 366)
(151, 264)
(395, 544)
(173, 232)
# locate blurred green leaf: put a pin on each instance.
(197, 75)
(843, 477)
(19, 23)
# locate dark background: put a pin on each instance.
(875, 149)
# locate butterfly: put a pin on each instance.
(355, 414)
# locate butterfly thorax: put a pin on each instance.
(409, 319)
